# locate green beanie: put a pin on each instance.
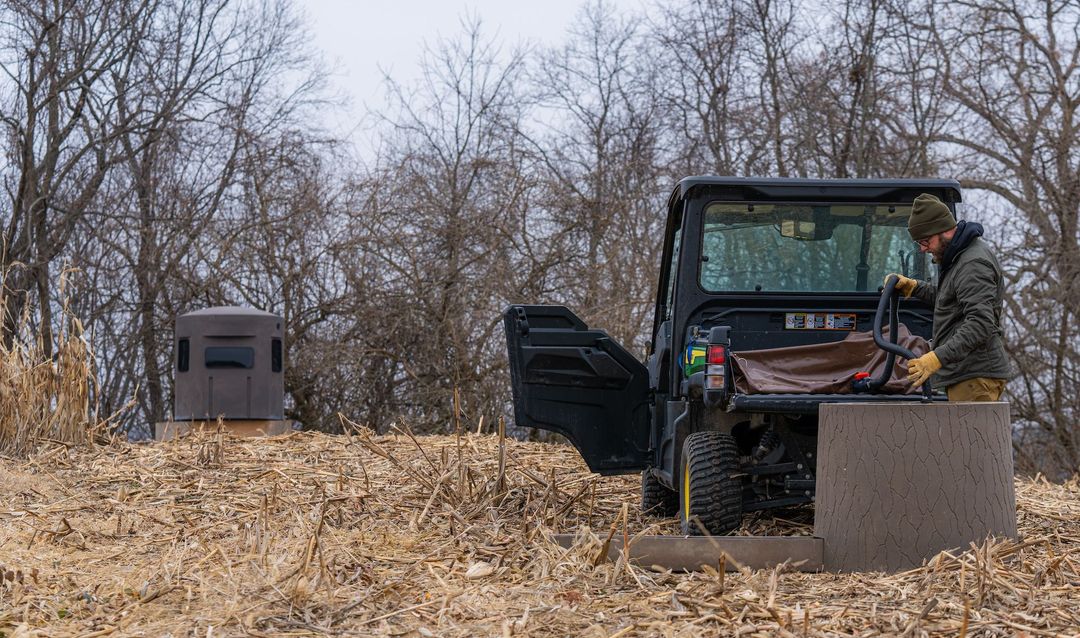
(929, 216)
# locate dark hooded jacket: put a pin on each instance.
(967, 301)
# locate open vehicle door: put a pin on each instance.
(580, 383)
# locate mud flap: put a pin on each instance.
(580, 383)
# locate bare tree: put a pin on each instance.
(701, 48)
(868, 95)
(772, 38)
(187, 61)
(451, 179)
(62, 122)
(1011, 74)
(599, 164)
(132, 135)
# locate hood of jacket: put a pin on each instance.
(966, 232)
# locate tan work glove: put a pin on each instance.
(904, 284)
(920, 369)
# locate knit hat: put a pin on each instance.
(929, 216)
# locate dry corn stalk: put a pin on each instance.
(45, 397)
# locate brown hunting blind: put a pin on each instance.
(229, 365)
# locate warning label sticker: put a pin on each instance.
(819, 321)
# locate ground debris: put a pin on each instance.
(310, 534)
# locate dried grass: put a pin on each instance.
(42, 397)
(311, 534)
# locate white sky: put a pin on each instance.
(359, 37)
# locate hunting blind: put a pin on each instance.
(229, 365)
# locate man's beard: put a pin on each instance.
(943, 247)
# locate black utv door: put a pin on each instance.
(581, 384)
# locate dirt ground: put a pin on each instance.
(310, 534)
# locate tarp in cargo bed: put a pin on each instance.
(823, 368)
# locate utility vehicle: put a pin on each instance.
(748, 264)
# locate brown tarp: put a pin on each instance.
(823, 368)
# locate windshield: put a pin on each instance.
(752, 246)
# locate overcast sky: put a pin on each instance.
(359, 37)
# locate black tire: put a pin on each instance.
(710, 486)
(657, 500)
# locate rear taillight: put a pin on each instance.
(714, 372)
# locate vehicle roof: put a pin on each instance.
(795, 187)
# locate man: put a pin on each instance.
(969, 352)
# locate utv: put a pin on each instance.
(750, 266)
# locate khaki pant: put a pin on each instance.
(977, 389)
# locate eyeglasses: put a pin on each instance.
(925, 243)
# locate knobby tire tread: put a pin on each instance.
(657, 500)
(715, 490)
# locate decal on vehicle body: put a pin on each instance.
(819, 321)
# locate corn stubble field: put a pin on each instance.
(311, 534)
